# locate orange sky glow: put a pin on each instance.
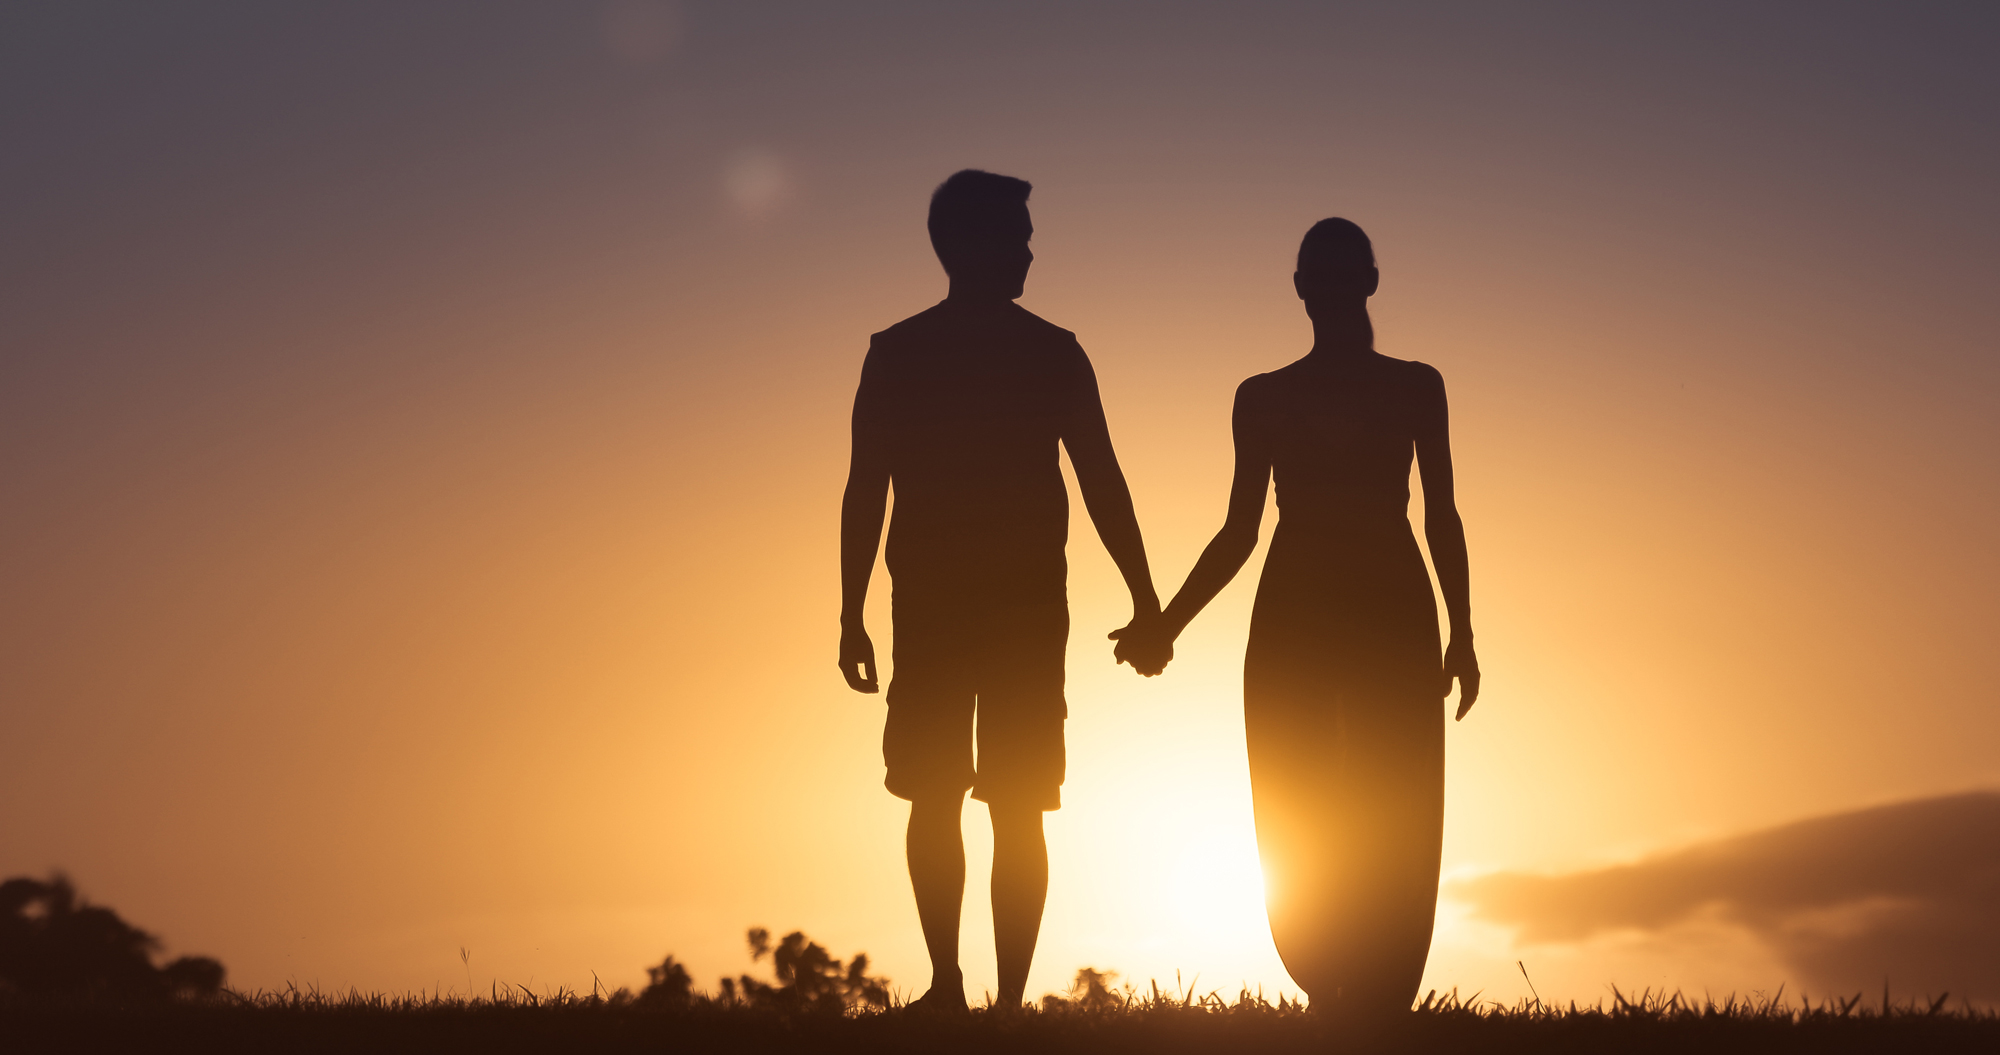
(422, 432)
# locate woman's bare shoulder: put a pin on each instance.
(1418, 378)
(1261, 386)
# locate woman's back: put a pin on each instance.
(1345, 602)
(1341, 437)
(1342, 681)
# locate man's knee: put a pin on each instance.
(1016, 821)
(936, 810)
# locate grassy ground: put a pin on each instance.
(310, 1022)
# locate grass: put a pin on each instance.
(1152, 1022)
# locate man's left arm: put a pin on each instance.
(1105, 494)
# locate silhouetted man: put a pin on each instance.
(962, 407)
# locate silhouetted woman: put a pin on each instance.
(1343, 684)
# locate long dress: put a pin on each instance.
(1343, 686)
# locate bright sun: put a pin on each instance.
(1158, 860)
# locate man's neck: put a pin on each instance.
(973, 294)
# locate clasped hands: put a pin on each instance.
(1147, 643)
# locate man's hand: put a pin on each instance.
(857, 659)
(1461, 663)
(1142, 644)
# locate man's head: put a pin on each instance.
(1336, 264)
(980, 228)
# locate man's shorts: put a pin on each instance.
(1002, 666)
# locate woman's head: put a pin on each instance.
(1336, 262)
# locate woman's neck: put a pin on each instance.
(1342, 333)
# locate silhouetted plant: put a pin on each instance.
(808, 979)
(53, 943)
(669, 987)
(1091, 991)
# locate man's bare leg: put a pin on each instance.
(936, 851)
(1020, 888)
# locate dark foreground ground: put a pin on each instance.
(297, 1022)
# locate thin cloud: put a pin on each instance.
(1908, 892)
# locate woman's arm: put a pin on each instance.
(1445, 532)
(1233, 544)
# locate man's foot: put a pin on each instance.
(1009, 1007)
(943, 999)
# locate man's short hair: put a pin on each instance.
(1335, 243)
(975, 207)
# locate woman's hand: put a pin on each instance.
(1460, 662)
(1144, 645)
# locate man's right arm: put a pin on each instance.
(861, 514)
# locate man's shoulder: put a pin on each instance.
(1032, 323)
(926, 322)
(944, 320)
(1421, 373)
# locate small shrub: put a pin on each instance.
(1091, 991)
(55, 944)
(669, 987)
(808, 979)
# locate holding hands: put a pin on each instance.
(1146, 643)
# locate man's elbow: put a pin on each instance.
(1103, 489)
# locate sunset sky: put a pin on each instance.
(422, 429)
